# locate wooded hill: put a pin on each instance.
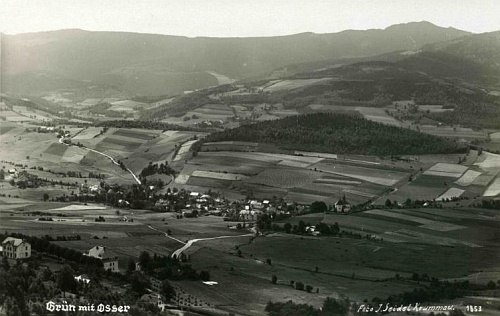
(339, 134)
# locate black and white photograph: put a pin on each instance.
(250, 158)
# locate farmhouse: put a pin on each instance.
(110, 263)
(16, 248)
(342, 206)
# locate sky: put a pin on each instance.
(236, 18)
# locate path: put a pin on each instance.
(166, 235)
(178, 252)
(105, 155)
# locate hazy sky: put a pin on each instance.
(235, 18)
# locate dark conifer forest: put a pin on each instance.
(339, 134)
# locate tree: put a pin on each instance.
(45, 197)
(491, 285)
(318, 207)
(144, 260)
(299, 286)
(274, 279)
(332, 307)
(167, 290)
(204, 275)
(131, 266)
(66, 280)
(388, 203)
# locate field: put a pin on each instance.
(377, 115)
(451, 193)
(293, 84)
(304, 177)
(363, 173)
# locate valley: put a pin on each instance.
(223, 189)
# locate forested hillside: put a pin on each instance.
(340, 134)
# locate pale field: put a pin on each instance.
(377, 115)
(493, 189)
(74, 154)
(219, 175)
(442, 174)
(184, 149)
(488, 161)
(267, 117)
(127, 104)
(284, 113)
(293, 84)
(90, 102)
(450, 193)
(313, 154)
(433, 108)
(237, 143)
(446, 170)
(495, 136)
(373, 175)
(182, 178)
(76, 207)
(448, 167)
(336, 181)
(468, 178)
(88, 133)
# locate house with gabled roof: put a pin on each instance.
(109, 262)
(16, 248)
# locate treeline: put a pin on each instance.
(144, 124)
(434, 292)
(331, 307)
(152, 169)
(340, 134)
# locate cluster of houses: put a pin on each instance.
(204, 204)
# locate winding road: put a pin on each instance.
(179, 251)
(105, 155)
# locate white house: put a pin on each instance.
(109, 262)
(16, 248)
(83, 278)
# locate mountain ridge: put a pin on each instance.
(161, 61)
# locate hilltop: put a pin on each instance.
(150, 64)
(339, 134)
